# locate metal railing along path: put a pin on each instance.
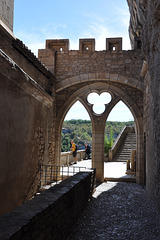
(53, 173)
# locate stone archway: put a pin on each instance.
(79, 72)
(98, 121)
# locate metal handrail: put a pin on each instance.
(54, 173)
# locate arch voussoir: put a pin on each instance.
(84, 77)
(98, 77)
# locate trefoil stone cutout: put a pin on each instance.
(98, 101)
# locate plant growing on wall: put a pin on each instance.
(108, 142)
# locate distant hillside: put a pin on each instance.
(81, 131)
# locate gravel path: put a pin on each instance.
(118, 211)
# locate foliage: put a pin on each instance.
(108, 142)
(78, 130)
(65, 146)
(81, 131)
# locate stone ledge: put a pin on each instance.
(51, 214)
(6, 28)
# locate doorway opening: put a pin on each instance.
(120, 144)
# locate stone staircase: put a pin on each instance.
(124, 152)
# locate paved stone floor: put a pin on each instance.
(111, 169)
(118, 211)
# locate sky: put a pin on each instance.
(37, 20)
(120, 113)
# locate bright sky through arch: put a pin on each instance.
(119, 113)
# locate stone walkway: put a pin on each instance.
(118, 211)
(112, 170)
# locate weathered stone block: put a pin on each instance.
(87, 45)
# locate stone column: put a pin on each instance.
(98, 147)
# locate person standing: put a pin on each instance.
(87, 151)
(74, 150)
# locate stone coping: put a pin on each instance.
(17, 219)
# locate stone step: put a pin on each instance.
(128, 149)
(124, 152)
(120, 160)
(123, 157)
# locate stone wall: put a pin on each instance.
(136, 8)
(30, 105)
(6, 13)
(27, 100)
(26, 60)
(73, 63)
(67, 157)
(151, 47)
(150, 35)
(51, 214)
(67, 64)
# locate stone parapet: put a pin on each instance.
(87, 45)
(67, 157)
(71, 64)
(119, 141)
(66, 63)
(51, 214)
(113, 44)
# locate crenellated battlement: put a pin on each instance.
(85, 45)
(63, 62)
(55, 47)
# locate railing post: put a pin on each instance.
(67, 159)
(62, 172)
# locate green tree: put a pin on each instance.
(81, 131)
(106, 145)
(65, 146)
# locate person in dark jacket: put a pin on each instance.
(87, 151)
